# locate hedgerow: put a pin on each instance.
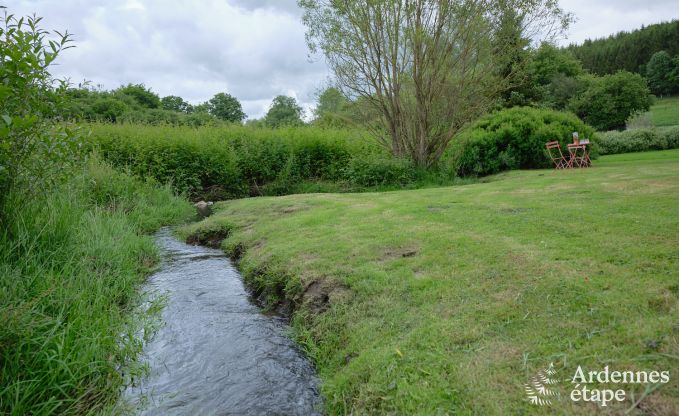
(638, 140)
(220, 162)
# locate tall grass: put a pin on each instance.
(219, 162)
(70, 264)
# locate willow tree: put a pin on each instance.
(427, 66)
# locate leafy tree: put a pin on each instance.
(141, 95)
(428, 67)
(35, 146)
(332, 108)
(674, 75)
(284, 111)
(226, 107)
(513, 54)
(549, 61)
(549, 78)
(201, 108)
(558, 93)
(610, 100)
(175, 103)
(659, 73)
(109, 109)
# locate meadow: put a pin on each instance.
(447, 300)
(665, 112)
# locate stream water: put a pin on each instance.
(216, 353)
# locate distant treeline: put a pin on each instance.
(628, 51)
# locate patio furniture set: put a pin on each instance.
(578, 154)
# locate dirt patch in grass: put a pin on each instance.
(209, 238)
(657, 405)
(291, 209)
(320, 294)
(397, 253)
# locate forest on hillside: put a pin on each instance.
(629, 51)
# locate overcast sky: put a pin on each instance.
(252, 49)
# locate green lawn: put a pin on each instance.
(666, 112)
(447, 300)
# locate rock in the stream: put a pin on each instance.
(204, 209)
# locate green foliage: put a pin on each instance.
(549, 61)
(175, 103)
(331, 110)
(659, 72)
(153, 116)
(674, 75)
(35, 149)
(116, 107)
(220, 162)
(561, 90)
(638, 140)
(140, 94)
(609, 101)
(284, 111)
(109, 109)
(629, 51)
(380, 171)
(511, 139)
(226, 107)
(513, 54)
(71, 261)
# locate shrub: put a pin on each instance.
(380, 171)
(512, 139)
(610, 100)
(109, 109)
(35, 147)
(638, 140)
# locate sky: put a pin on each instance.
(251, 49)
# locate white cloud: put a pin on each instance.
(253, 50)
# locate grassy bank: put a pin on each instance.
(70, 265)
(448, 300)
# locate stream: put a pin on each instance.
(216, 353)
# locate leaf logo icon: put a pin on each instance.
(538, 391)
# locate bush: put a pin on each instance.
(512, 139)
(380, 171)
(609, 101)
(639, 140)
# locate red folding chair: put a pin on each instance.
(560, 162)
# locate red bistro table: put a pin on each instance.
(579, 155)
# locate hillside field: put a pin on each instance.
(665, 112)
